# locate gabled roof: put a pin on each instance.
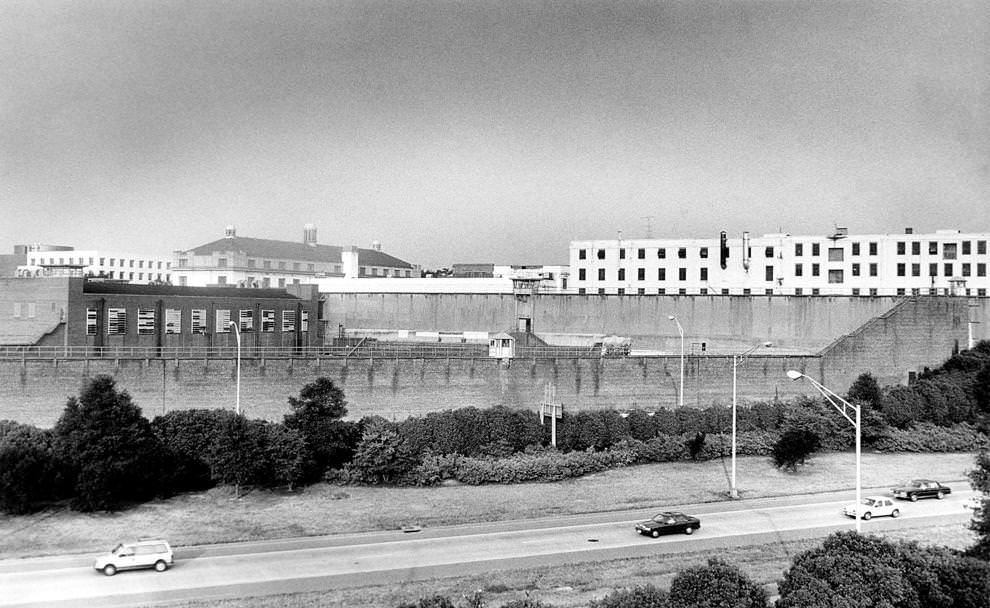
(288, 250)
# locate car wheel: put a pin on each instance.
(867, 515)
(895, 513)
(655, 533)
(940, 495)
(689, 530)
(914, 498)
(109, 570)
(161, 566)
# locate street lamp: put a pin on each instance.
(733, 492)
(831, 398)
(237, 334)
(680, 392)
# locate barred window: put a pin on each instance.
(304, 323)
(173, 321)
(268, 321)
(91, 321)
(223, 321)
(288, 320)
(146, 321)
(197, 320)
(116, 321)
(245, 320)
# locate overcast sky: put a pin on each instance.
(488, 131)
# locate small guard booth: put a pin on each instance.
(501, 346)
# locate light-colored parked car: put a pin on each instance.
(873, 506)
(155, 554)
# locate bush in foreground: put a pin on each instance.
(716, 585)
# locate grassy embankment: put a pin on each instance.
(217, 516)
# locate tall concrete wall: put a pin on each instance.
(725, 323)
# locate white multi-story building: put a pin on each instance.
(97, 263)
(943, 262)
(250, 262)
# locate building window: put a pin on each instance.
(873, 270)
(747, 291)
(622, 274)
(173, 321)
(197, 320)
(581, 291)
(768, 252)
(965, 270)
(221, 262)
(304, 321)
(116, 321)
(948, 270)
(815, 270)
(601, 291)
(915, 270)
(816, 249)
(855, 248)
(704, 274)
(682, 253)
(310, 267)
(661, 291)
(251, 263)
(933, 270)
(581, 274)
(798, 291)
(641, 254)
(916, 248)
(267, 264)
(798, 270)
(981, 292)
(281, 282)
(661, 274)
(900, 291)
(873, 249)
(704, 291)
(336, 268)
(682, 274)
(949, 251)
(834, 276)
(768, 291)
(873, 291)
(223, 321)
(981, 247)
(981, 270)
(815, 291)
(582, 255)
(266, 282)
(901, 248)
(703, 253)
(622, 254)
(641, 274)
(245, 320)
(835, 254)
(967, 248)
(90, 321)
(682, 292)
(798, 249)
(769, 273)
(621, 291)
(288, 320)
(601, 254)
(221, 280)
(725, 291)
(661, 253)
(855, 291)
(933, 247)
(641, 291)
(855, 270)
(267, 321)
(601, 274)
(900, 270)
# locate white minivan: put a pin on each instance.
(155, 554)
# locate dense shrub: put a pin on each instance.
(111, 454)
(664, 448)
(383, 456)
(328, 441)
(644, 596)
(435, 601)
(979, 479)
(929, 437)
(542, 465)
(715, 585)
(794, 447)
(29, 470)
(188, 437)
(472, 431)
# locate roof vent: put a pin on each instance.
(376, 245)
(309, 235)
(230, 232)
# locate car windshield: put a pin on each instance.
(116, 548)
(868, 501)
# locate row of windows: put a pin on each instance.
(197, 321)
(130, 276)
(835, 254)
(113, 262)
(856, 270)
(873, 291)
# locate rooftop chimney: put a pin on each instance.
(230, 232)
(309, 235)
(376, 245)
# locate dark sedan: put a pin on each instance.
(921, 488)
(668, 523)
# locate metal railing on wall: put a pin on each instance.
(366, 350)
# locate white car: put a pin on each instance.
(873, 506)
(155, 554)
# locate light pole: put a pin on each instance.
(237, 334)
(733, 492)
(832, 398)
(680, 392)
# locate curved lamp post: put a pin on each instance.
(680, 391)
(733, 491)
(237, 334)
(832, 398)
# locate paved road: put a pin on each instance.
(306, 564)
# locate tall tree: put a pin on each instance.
(111, 453)
(317, 416)
(866, 390)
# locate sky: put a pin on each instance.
(488, 131)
